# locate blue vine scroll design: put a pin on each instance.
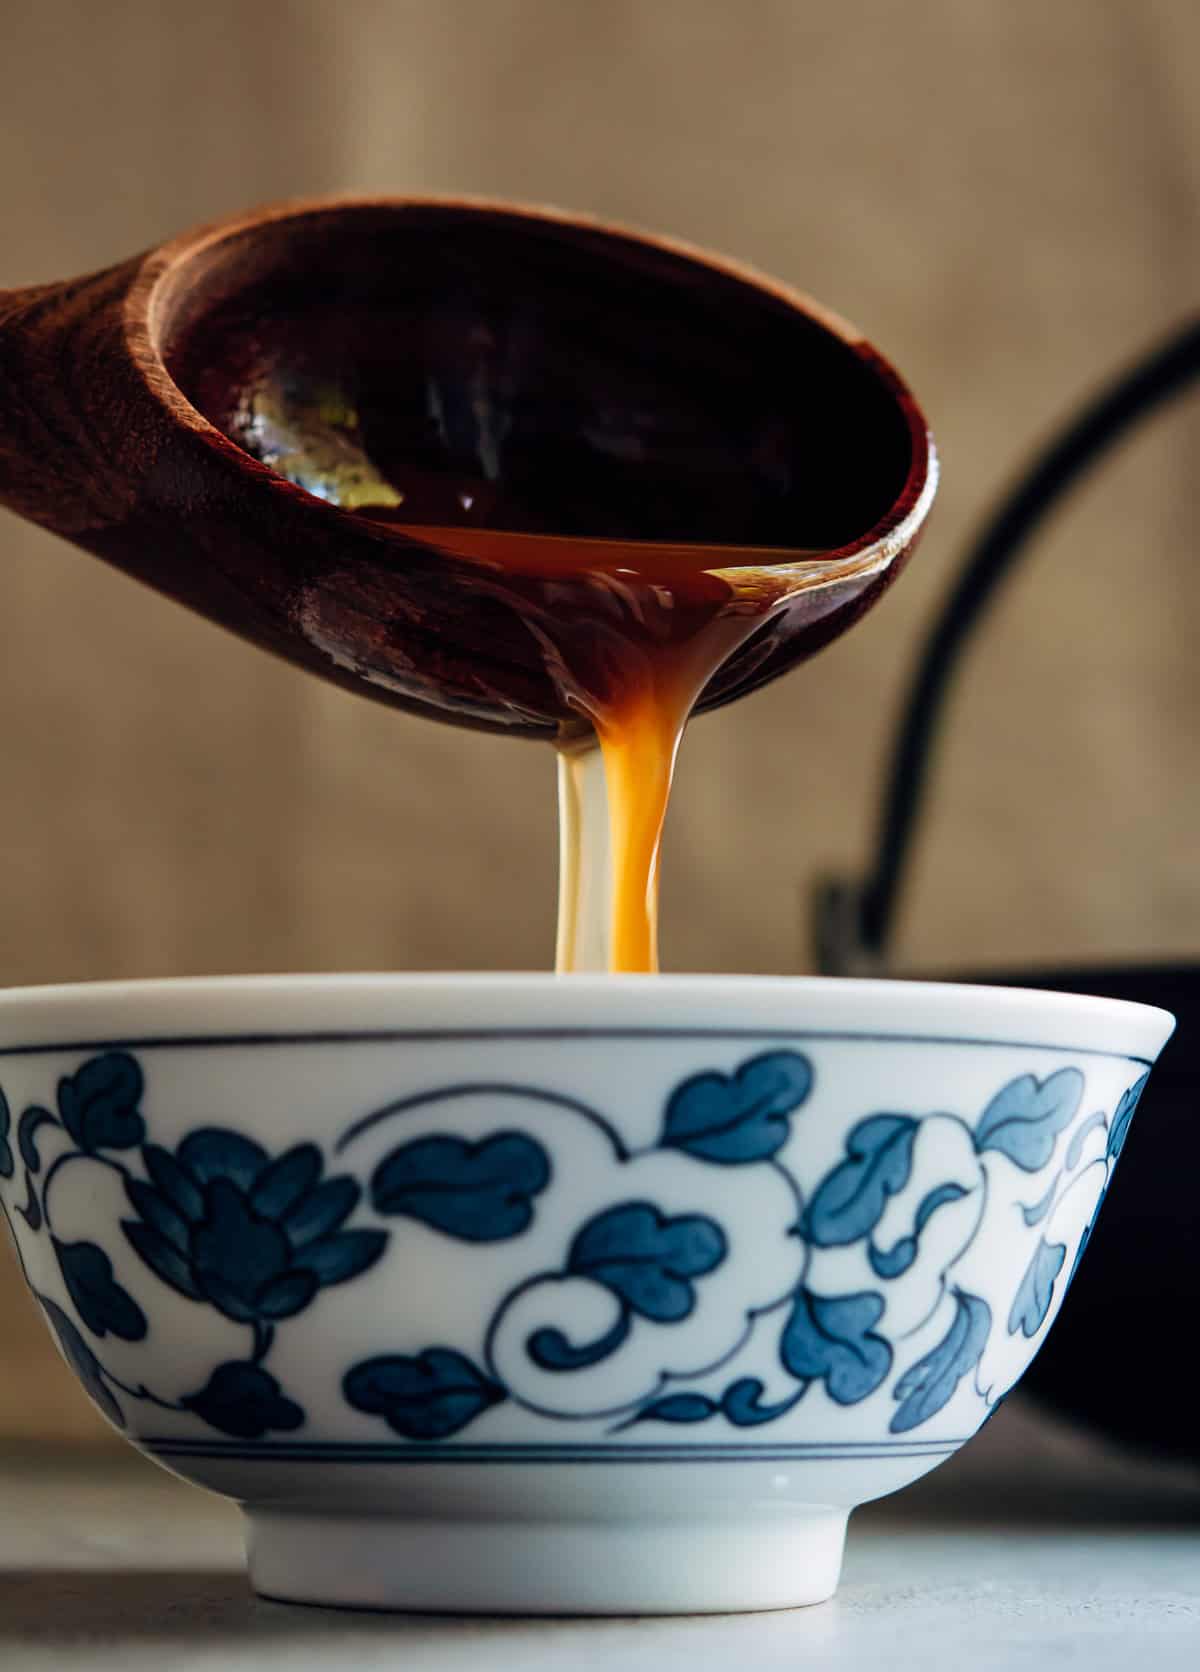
(256, 1237)
(218, 1220)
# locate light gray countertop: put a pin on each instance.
(1032, 1549)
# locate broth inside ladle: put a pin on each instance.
(610, 484)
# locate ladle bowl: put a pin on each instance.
(286, 421)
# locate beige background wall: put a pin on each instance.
(1007, 197)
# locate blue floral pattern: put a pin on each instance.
(244, 1400)
(7, 1164)
(255, 1238)
(742, 1117)
(933, 1381)
(480, 1192)
(425, 1397)
(82, 1360)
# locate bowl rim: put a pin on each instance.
(437, 1004)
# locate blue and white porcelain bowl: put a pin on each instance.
(536, 1294)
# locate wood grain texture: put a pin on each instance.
(1007, 199)
(124, 397)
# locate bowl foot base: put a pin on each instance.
(559, 1567)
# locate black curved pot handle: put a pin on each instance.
(853, 920)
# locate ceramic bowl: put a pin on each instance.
(568, 1295)
(1144, 1260)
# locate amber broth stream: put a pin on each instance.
(604, 486)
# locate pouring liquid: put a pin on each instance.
(637, 633)
(608, 488)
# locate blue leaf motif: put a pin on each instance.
(82, 1360)
(338, 1258)
(99, 1103)
(215, 1152)
(162, 1258)
(1080, 1136)
(158, 1212)
(1036, 1291)
(889, 1263)
(322, 1211)
(1025, 1118)
(550, 1348)
(738, 1118)
(930, 1384)
(894, 1262)
(741, 1404)
(7, 1164)
(648, 1260)
(283, 1297)
(849, 1201)
(283, 1184)
(31, 1213)
(481, 1192)
(939, 1197)
(1122, 1116)
(1034, 1212)
(105, 1307)
(244, 1400)
(832, 1340)
(426, 1397)
(174, 1184)
(679, 1408)
(99, 1299)
(31, 1120)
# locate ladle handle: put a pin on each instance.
(18, 322)
(71, 445)
(853, 919)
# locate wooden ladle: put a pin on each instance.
(280, 420)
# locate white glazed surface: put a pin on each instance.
(638, 1286)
